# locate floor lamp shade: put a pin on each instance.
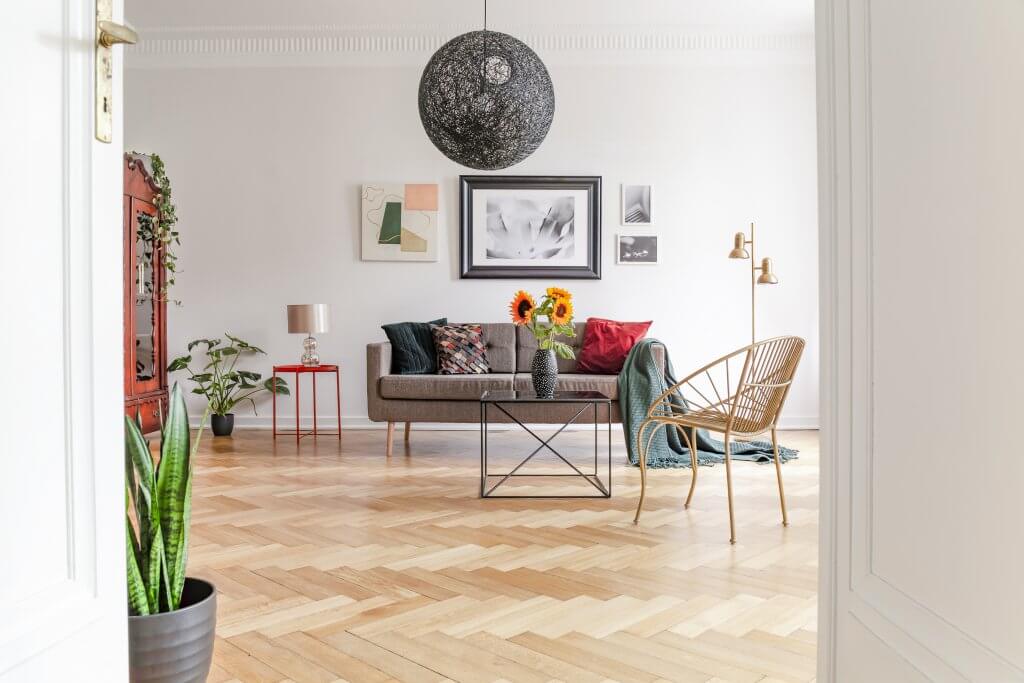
(308, 319)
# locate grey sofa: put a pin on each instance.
(456, 398)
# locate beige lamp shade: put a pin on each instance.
(739, 249)
(308, 318)
(767, 276)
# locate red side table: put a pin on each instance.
(300, 370)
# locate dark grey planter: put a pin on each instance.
(222, 424)
(544, 371)
(175, 647)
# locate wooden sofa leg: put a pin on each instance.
(391, 438)
(408, 428)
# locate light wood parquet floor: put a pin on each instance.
(333, 563)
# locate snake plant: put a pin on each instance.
(158, 503)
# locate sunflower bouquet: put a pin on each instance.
(556, 306)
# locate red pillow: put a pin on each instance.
(606, 343)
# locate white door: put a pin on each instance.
(921, 117)
(62, 593)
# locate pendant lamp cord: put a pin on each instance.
(483, 69)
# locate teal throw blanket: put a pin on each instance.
(641, 382)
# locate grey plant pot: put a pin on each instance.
(222, 424)
(544, 371)
(175, 647)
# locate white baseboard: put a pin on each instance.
(361, 422)
(798, 422)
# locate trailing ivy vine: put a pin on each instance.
(161, 232)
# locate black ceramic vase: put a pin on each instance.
(175, 647)
(544, 371)
(222, 424)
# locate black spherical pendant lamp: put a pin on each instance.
(486, 100)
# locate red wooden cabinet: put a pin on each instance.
(145, 308)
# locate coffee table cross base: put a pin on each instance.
(588, 400)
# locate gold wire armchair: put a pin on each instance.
(700, 402)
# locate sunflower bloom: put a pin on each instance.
(559, 293)
(522, 307)
(561, 311)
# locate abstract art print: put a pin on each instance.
(399, 222)
(636, 205)
(637, 249)
(530, 226)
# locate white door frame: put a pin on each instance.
(849, 589)
(828, 335)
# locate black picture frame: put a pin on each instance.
(470, 183)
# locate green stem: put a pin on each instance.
(239, 399)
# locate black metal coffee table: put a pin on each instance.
(505, 401)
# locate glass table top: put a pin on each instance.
(509, 396)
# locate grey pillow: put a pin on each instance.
(412, 347)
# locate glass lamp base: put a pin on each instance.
(310, 357)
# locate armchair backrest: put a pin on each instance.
(764, 383)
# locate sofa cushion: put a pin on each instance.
(412, 347)
(460, 350)
(500, 346)
(606, 343)
(444, 387)
(606, 384)
(526, 345)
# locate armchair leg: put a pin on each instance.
(391, 439)
(408, 428)
(641, 454)
(728, 485)
(691, 444)
(778, 475)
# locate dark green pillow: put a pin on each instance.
(412, 347)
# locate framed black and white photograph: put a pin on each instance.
(530, 227)
(636, 249)
(636, 205)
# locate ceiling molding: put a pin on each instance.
(238, 45)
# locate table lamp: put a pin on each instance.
(308, 319)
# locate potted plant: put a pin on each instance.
(223, 386)
(158, 232)
(556, 306)
(172, 617)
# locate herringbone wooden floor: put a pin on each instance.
(335, 564)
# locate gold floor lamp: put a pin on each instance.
(767, 276)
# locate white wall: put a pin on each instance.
(269, 133)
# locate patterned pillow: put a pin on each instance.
(460, 350)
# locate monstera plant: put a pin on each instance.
(221, 382)
(161, 599)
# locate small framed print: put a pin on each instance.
(636, 205)
(636, 249)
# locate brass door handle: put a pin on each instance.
(111, 33)
(108, 34)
